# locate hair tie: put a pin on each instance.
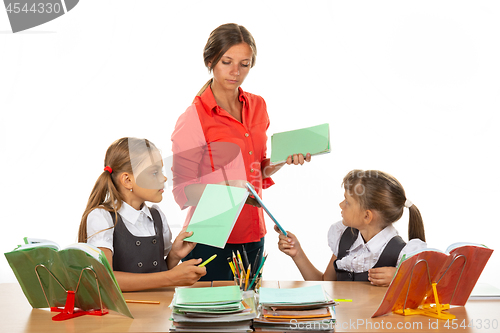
(108, 169)
(408, 203)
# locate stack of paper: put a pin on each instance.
(213, 309)
(300, 309)
(314, 140)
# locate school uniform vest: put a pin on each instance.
(388, 257)
(138, 254)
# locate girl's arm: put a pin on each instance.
(184, 274)
(290, 245)
(180, 248)
(381, 276)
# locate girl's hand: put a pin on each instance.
(187, 273)
(298, 159)
(289, 244)
(181, 248)
(381, 276)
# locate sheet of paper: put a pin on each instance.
(216, 213)
(314, 140)
(304, 295)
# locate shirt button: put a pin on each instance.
(138, 243)
(252, 170)
(155, 263)
(250, 152)
(139, 264)
(247, 135)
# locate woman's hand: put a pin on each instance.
(381, 276)
(289, 244)
(298, 159)
(181, 248)
(186, 273)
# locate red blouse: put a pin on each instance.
(209, 145)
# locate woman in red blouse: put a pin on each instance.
(221, 139)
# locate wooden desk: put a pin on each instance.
(18, 316)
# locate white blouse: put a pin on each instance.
(363, 256)
(138, 222)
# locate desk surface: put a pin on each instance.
(18, 316)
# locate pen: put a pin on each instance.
(141, 302)
(245, 256)
(208, 260)
(255, 265)
(259, 271)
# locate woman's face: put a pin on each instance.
(233, 67)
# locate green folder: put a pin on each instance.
(216, 213)
(314, 140)
(66, 266)
(207, 296)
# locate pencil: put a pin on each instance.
(208, 260)
(240, 262)
(141, 302)
(248, 275)
(231, 265)
(235, 263)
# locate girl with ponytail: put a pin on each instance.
(365, 244)
(136, 239)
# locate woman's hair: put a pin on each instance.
(222, 39)
(377, 190)
(105, 193)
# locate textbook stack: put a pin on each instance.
(299, 309)
(212, 309)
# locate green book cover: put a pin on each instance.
(66, 266)
(207, 296)
(314, 140)
(216, 213)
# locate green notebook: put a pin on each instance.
(207, 296)
(216, 213)
(65, 265)
(314, 140)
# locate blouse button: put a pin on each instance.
(138, 243)
(154, 241)
(155, 263)
(139, 264)
(247, 135)
(252, 170)
(250, 152)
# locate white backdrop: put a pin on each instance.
(408, 87)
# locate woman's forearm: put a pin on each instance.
(268, 169)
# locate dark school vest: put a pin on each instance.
(138, 254)
(388, 257)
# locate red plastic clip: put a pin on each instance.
(69, 310)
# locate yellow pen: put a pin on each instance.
(208, 260)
